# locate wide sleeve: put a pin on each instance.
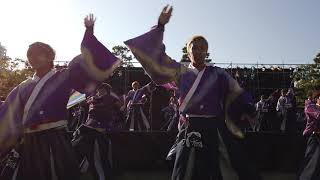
(312, 112)
(11, 127)
(238, 103)
(145, 90)
(149, 50)
(95, 64)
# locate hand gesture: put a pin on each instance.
(165, 15)
(89, 20)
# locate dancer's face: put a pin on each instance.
(318, 100)
(38, 59)
(136, 86)
(198, 51)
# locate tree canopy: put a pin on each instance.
(306, 77)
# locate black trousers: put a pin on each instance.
(310, 169)
(239, 158)
(200, 158)
(93, 149)
(47, 155)
(136, 119)
(197, 155)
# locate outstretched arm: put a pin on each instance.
(11, 113)
(239, 108)
(150, 52)
(95, 64)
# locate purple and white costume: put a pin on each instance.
(210, 99)
(35, 111)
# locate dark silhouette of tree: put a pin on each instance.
(123, 53)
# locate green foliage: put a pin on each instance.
(306, 77)
(185, 57)
(123, 53)
(12, 73)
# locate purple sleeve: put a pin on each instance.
(170, 86)
(150, 52)
(145, 90)
(129, 96)
(312, 112)
(11, 112)
(95, 64)
(237, 103)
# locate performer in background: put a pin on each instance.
(104, 109)
(36, 112)
(171, 115)
(274, 118)
(291, 106)
(262, 108)
(136, 118)
(310, 168)
(91, 141)
(135, 86)
(282, 110)
(210, 98)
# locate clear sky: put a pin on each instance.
(241, 31)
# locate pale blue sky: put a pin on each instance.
(241, 31)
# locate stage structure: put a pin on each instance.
(257, 78)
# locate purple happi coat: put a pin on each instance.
(217, 93)
(312, 113)
(136, 96)
(104, 112)
(83, 74)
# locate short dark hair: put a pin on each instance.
(135, 83)
(40, 47)
(196, 38)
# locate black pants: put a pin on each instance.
(197, 155)
(310, 169)
(136, 119)
(93, 150)
(239, 158)
(47, 154)
(204, 160)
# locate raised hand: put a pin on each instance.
(89, 20)
(165, 15)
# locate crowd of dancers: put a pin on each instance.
(277, 113)
(212, 109)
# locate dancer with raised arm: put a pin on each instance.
(210, 98)
(35, 111)
(136, 119)
(91, 140)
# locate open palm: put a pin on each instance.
(89, 20)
